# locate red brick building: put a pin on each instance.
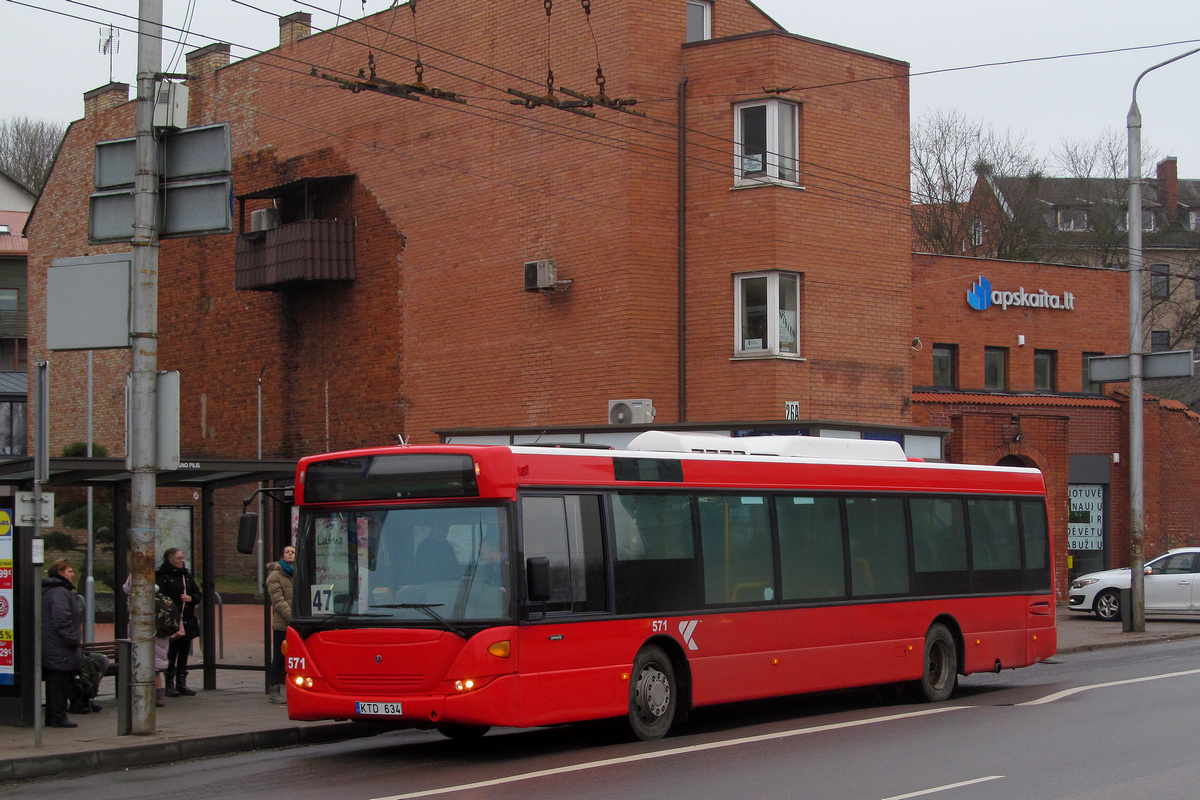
(1009, 381)
(739, 255)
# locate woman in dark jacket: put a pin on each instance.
(176, 582)
(62, 653)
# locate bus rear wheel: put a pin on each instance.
(653, 694)
(463, 732)
(940, 675)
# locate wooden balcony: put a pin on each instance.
(296, 253)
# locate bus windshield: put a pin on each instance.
(415, 563)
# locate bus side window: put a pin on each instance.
(567, 531)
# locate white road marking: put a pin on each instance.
(1050, 698)
(677, 751)
(945, 788)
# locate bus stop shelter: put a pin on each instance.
(205, 476)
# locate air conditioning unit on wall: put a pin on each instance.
(264, 219)
(630, 412)
(541, 275)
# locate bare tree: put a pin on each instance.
(28, 147)
(949, 154)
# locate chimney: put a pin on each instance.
(104, 98)
(202, 64)
(1168, 188)
(294, 27)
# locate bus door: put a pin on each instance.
(563, 659)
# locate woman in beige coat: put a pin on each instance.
(279, 590)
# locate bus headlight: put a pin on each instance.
(465, 685)
(303, 681)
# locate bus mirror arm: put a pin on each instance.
(248, 522)
(537, 576)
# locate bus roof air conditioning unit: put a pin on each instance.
(541, 275)
(630, 412)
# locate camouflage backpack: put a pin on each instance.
(166, 615)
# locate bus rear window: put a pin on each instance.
(387, 477)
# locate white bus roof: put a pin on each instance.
(814, 447)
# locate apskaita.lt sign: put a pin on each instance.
(982, 296)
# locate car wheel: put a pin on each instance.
(1108, 605)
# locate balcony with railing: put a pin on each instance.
(296, 253)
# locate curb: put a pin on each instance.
(1153, 638)
(161, 752)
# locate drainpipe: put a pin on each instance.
(682, 270)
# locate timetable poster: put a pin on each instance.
(6, 598)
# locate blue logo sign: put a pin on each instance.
(980, 296)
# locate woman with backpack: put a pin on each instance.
(176, 582)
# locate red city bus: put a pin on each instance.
(460, 587)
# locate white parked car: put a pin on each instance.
(1172, 586)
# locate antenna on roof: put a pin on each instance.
(110, 45)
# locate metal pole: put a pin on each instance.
(1137, 509)
(41, 470)
(144, 340)
(89, 592)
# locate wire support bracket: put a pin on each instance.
(533, 101)
(406, 91)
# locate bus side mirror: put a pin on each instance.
(247, 532)
(537, 574)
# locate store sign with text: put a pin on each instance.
(982, 296)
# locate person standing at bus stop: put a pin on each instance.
(175, 580)
(279, 590)
(62, 641)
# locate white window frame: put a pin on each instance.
(705, 7)
(780, 343)
(778, 167)
(1195, 219)
(1066, 219)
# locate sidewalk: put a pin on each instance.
(236, 717)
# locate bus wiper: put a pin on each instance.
(341, 615)
(428, 610)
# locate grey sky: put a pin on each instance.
(48, 61)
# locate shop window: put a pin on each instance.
(945, 366)
(995, 368)
(767, 314)
(1044, 370)
(699, 20)
(767, 134)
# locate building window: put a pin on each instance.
(768, 314)
(1090, 386)
(14, 355)
(5, 230)
(1160, 341)
(699, 20)
(976, 232)
(995, 368)
(1148, 220)
(1072, 219)
(1160, 281)
(1195, 217)
(1044, 370)
(9, 300)
(945, 366)
(767, 133)
(1196, 282)
(13, 430)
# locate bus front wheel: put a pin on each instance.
(653, 694)
(463, 732)
(940, 674)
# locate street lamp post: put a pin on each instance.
(1137, 520)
